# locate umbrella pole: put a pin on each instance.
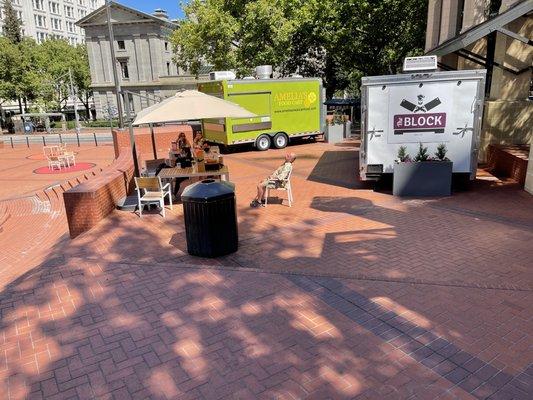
(132, 137)
(153, 141)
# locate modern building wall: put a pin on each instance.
(508, 116)
(44, 19)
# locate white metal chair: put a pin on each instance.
(54, 162)
(53, 158)
(68, 156)
(284, 185)
(151, 190)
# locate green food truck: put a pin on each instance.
(285, 108)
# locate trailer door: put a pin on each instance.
(376, 147)
(257, 102)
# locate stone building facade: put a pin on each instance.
(143, 58)
(504, 30)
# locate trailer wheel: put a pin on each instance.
(262, 143)
(281, 141)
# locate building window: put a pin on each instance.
(82, 13)
(166, 46)
(56, 24)
(40, 21)
(168, 68)
(69, 11)
(41, 37)
(121, 45)
(71, 28)
(38, 4)
(124, 70)
(54, 7)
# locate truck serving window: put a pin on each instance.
(257, 102)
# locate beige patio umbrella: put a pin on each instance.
(190, 105)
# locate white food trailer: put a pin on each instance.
(429, 108)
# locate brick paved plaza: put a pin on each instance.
(350, 293)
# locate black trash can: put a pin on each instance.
(210, 218)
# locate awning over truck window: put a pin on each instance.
(480, 31)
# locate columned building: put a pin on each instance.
(495, 35)
(143, 57)
(49, 19)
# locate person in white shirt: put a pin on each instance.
(276, 180)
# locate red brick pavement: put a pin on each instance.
(424, 299)
(17, 165)
(475, 238)
(32, 218)
(108, 330)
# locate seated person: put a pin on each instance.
(184, 148)
(273, 181)
(199, 141)
(184, 158)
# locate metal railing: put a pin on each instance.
(94, 138)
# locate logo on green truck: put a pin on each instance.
(295, 99)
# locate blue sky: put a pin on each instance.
(148, 6)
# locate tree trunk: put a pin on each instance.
(25, 104)
(86, 105)
(20, 106)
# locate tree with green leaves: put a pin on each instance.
(339, 41)
(12, 24)
(82, 77)
(39, 73)
(20, 75)
(33, 78)
(10, 73)
(56, 59)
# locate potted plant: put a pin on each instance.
(423, 175)
(335, 129)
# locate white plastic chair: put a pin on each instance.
(285, 185)
(151, 190)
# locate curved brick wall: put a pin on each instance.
(91, 201)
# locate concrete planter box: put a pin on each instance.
(427, 178)
(335, 133)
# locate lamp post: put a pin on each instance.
(126, 94)
(114, 65)
(75, 99)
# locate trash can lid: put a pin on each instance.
(208, 190)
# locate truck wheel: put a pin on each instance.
(262, 143)
(281, 141)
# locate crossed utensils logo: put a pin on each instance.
(420, 106)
